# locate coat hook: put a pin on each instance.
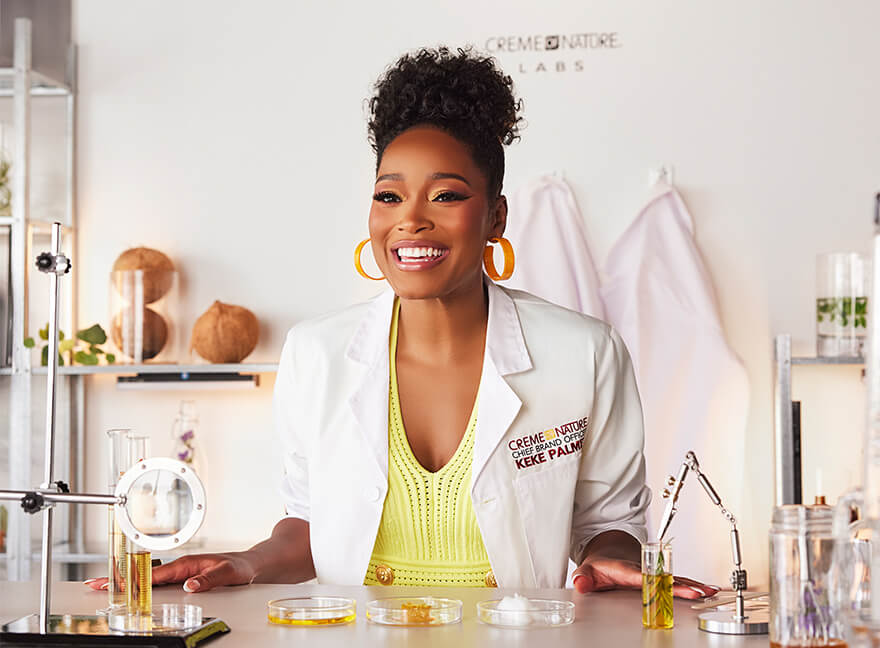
(663, 173)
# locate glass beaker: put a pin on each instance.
(842, 304)
(657, 585)
(802, 609)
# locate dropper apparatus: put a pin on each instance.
(718, 622)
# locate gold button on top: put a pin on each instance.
(490, 579)
(384, 574)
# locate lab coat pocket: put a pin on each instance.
(546, 501)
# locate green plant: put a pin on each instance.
(84, 348)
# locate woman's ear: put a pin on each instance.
(499, 217)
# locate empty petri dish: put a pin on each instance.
(414, 611)
(312, 611)
(521, 612)
(165, 618)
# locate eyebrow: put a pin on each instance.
(434, 176)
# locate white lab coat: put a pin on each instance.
(553, 257)
(658, 293)
(547, 371)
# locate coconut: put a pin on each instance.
(225, 333)
(155, 333)
(158, 271)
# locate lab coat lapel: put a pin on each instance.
(369, 400)
(506, 353)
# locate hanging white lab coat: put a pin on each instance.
(553, 259)
(659, 295)
(557, 452)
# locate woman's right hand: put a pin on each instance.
(199, 572)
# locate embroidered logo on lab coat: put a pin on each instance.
(549, 445)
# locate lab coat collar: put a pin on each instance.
(506, 353)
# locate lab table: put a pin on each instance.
(601, 619)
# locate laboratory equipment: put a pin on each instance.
(856, 524)
(802, 610)
(117, 544)
(657, 585)
(522, 612)
(414, 611)
(130, 500)
(841, 304)
(312, 611)
(721, 621)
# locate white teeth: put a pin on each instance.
(418, 252)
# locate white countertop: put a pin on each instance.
(607, 619)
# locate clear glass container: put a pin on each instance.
(162, 619)
(802, 608)
(842, 284)
(143, 312)
(312, 611)
(522, 612)
(117, 544)
(414, 611)
(657, 585)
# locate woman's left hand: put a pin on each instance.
(597, 573)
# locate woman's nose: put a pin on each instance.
(413, 219)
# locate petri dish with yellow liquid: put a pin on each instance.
(312, 611)
(414, 611)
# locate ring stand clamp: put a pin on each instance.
(146, 489)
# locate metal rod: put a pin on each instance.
(64, 498)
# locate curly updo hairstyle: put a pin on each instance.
(462, 93)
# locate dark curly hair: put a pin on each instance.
(462, 93)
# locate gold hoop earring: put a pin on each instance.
(489, 260)
(357, 261)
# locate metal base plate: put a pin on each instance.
(92, 630)
(723, 622)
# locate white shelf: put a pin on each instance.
(132, 369)
(804, 360)
(41, 84)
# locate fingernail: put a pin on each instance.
(697, 590)
(89, 580)
(105, 586)
(575, 579)
(191, 585)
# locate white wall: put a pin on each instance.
(232, 136)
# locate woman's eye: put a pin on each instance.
(386, 197)
(449, 196)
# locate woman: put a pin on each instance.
(449, 432)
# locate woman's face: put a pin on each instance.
(431, 216)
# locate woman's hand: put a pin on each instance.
(598, 573)
(199, 572)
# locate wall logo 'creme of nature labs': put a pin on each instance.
(548, 445)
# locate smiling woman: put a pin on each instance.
(450, 431)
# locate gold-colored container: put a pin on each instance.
(139, 594)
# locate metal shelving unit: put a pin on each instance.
(22, 83)
(787, 421)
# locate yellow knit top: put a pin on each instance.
(428, 534)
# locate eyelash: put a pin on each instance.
(388, 197)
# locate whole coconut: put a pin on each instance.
(157, 268)
(225, 333)
(155, 333)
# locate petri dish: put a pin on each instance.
(165, 618)
(312, 611)
(521, 612)
(414, 611)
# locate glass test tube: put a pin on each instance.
(117, 553)
(139, 570)
(657, 585)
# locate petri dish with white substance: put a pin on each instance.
(521, 612)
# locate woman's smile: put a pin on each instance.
(415, 255)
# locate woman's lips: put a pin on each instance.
(418, 255)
